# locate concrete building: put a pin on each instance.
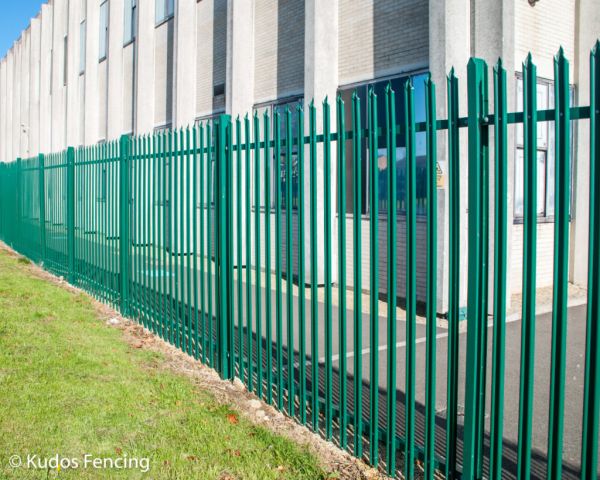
(87, 71)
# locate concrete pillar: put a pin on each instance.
(45, 69)
(239, 84)
(10, 76)
(17, 89)
(184, 94)
(34, 83)
(91, 72)
(493, 37)
(449, 47)
(59, 25)
(73, 120)
(115, 69)
(240, 60)
(144, 73)
(3, 157)
(17, 74)
(587, 31)
(321, 81)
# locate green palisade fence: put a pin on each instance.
(212, 237)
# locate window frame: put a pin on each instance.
(103, 54)
(279, 104)
(131, 19)
(82, 46)
(548, 150)
(365, 187)
(167, 15)
(65, 59)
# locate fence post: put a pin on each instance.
(17, 236)
(42, 193)
(71, 215)
(224, 248)
(124, 151)
(477, 268)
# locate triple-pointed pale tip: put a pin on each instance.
(528, 59)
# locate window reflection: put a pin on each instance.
(398, 85)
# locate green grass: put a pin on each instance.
(70, 385)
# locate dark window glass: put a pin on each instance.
(398, 85)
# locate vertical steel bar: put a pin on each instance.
(431, 287)
(591, 396)
(411, 279)
(374, 279)
(500, 268)
(188, 239)
(202, 188)
(257, 271)
(328, 277)
(314, 275)
(392, 226)
(357, 265)
(562, 197)
(238, 216)
(209, 240)
(42, 193)
(196, 186)
(225, 250)
(248, 251)
(268, 304)
(301, 266)
(529, 268)
(70, 211)
(477, 266)
(174, 250)
(278, 289)
(289, 263)
(342, 304)
(453, 274)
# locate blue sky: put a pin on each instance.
(14, 19)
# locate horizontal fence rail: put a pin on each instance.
(229, 240)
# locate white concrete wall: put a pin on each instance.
(265, 50)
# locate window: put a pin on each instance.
(82, 47)
(130, 27)
(280, 107)
(165, 9)
(545, 152)
(398, 85)
(65, 60)
(103, 30)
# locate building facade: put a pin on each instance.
(88, 71)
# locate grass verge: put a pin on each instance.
(71, 386)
